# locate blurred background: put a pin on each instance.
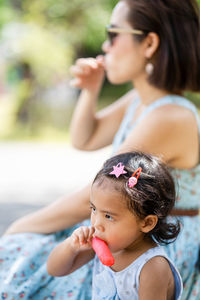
(39, 40)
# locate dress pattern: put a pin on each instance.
(23, 256)
(185, 251)
(23, 273)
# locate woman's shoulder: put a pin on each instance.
(177, 125)
(173, 112)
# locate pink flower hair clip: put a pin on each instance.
(133, 180)
(118, 170)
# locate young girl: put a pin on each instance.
(131, 197)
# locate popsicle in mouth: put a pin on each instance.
(103, 252)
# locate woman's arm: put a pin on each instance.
(72, 253)
(91, 130)
(105, 125)
(169, 132)
(59, 215)
(88, 76)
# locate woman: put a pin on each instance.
(155, 44)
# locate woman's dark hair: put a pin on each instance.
(154, 193)
(177, 23)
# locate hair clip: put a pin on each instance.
(133, 180)
(118, 170)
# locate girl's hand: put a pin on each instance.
(89, 73)
(82, 237)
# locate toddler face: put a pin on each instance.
(113, 221)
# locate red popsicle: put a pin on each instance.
(103, 252)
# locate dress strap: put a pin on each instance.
(169, 99)
(126, 126)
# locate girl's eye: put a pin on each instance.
(109, 217)
(93, 209)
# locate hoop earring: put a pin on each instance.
(149, 68)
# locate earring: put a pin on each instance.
(149, 68)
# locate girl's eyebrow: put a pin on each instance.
(109, 213)
(105, 211)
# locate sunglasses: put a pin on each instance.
(113, 32)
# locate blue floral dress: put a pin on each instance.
(185, 251)
(23, 256)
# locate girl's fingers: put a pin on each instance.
(87, 234)
(91, 232)
(83, 235)
(75, 238)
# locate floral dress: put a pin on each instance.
(23, 256)
(185, 251)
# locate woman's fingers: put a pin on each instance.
(88, 73)
(87, 62)
(84, 66)
(76, 82)
(80, 71)
(100, 60)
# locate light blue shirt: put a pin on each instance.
(124, 285)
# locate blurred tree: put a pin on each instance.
(79, 22)
(47, 36)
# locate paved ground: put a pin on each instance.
(34, 174)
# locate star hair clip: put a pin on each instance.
(118, 170)
(133, 180)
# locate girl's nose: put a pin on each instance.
(98, 225)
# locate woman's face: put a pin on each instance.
(124, 59)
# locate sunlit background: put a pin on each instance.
(39, 40)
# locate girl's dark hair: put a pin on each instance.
(154, 193)
(177, 23)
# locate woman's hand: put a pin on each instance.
(89, 73)
(81, 238)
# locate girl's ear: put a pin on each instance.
(149, 223)
(152, 42)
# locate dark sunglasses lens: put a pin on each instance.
(111, 36)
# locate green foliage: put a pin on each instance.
(53, 33)
(194, 97)
(45, 37)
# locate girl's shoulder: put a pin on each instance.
(164, 276)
